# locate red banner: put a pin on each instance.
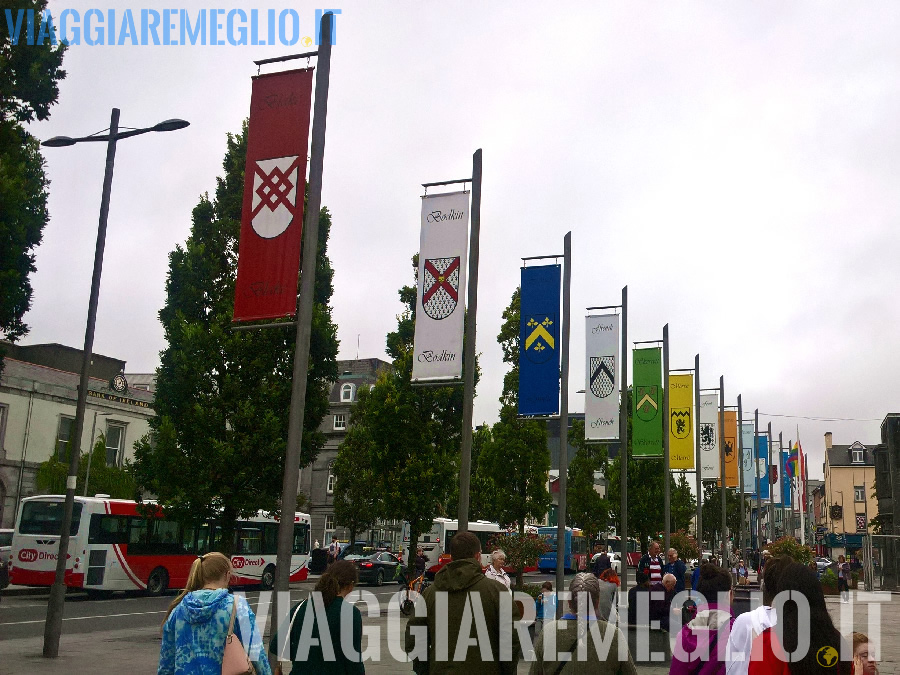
(274, 186)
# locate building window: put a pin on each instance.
(63, 432)
(859, 493)
(4, 415)
(115, 441)
(857, 456)
(340, 422)
(347, 393)
(329, 522)
(329, 487)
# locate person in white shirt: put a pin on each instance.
(495, 570)
(751, 624)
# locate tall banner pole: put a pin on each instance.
(563, 422)
(771, 507)
(623, 437)
(465, 462)
(667, 498)
(722, 488)
(801, 485)
(697, 444)
(741, 468)
(780, 471)
(759, 542)
(304, 318)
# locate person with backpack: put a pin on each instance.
(203, 619)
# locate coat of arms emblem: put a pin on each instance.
(539, 332)
(440, 287)
(274, 202)
(681, 422)
(603, 375)
(647, 402)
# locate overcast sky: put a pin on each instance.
(735, 164)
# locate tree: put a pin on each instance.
(517, 458)
(217, 444)
(115, 481)
(684, 505)
(29, 76)
(521, 550)
(685, 544)
(584, 506)
(712, 511)
(414, 434)
(355, 502)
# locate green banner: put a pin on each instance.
(646, 425)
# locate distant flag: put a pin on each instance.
(791, 467)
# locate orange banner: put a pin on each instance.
(732, 471)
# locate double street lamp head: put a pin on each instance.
(165, 125)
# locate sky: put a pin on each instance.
(734, 164)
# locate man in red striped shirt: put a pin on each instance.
(651, 564)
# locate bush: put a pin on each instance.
(788, 547)
(685, 544)
(522, 550)
(829, 579)
(533, 590)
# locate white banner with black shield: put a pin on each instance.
(601, 397)
(708, 420)
(440, 303)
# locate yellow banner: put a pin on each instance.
(681, 421)
(731, 450)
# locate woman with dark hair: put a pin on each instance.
(770, 650)
(706, 635)
(333, 586)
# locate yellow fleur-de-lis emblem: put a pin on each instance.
(539, 330)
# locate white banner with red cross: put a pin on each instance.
(440, 301)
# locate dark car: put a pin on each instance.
(375, 567)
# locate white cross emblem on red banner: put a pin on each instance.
(274, 204)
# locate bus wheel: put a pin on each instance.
(267, 580)
(158, 582)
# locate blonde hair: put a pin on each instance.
(206, 569)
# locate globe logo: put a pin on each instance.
(827, 656)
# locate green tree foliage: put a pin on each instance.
(412, 434)
(685, 544)
(29, 77)
(712, 511)
(684, 505)
(790, 547)
(216, 447)
(117, 482)
(356, 504)
(522, 550)
(517, 459)
(585, 508)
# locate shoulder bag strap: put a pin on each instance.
(287, 640)
(231, 622)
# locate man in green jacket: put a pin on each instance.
(471, 628)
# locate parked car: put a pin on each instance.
(356, 548)
(375, 567)
(615, 561)
(823, 564)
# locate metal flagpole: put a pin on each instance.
(801, 493)
(667, 498)
(623, 437)
(563, 423)
(724, 530)
(304, 317)
(465, 462)
(697, 451)
(778, 469)
(771, 507)
(740, 441)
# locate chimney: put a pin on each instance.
(828, 440)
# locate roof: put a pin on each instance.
(20, 375)
(841, 455)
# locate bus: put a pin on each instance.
(614, 544)
(576, 550)
(435, 542)
(114, 546)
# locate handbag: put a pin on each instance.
(235, 660)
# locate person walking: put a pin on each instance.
(304, 647)
(202, 618)
(743, 574)
(459, 579)
(334, 549)
(421, 561)
(676, 567)
(544, 607)
(707, 633)
(600, 562)
(651, 565)
(843, 577)
(495, 570)
(575, 648)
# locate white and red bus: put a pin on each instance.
(116, 547)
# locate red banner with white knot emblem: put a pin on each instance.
(274, 186)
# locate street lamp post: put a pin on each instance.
(53, 624)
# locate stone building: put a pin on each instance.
(317, 480)
(887, 483)
(38, 393)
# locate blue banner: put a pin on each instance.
(762, 454)
(539, 340)
(785, 481)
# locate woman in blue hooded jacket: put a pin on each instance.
(194, 632)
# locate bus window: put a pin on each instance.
(579, 545)
(270, 538)
(106, 529)
(46, 518)
(249, 541)
(301, 539)
(202, 535)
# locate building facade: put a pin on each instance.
(849, 495)
(38, 394)
(317, 480)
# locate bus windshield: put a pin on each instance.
(46, 518)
